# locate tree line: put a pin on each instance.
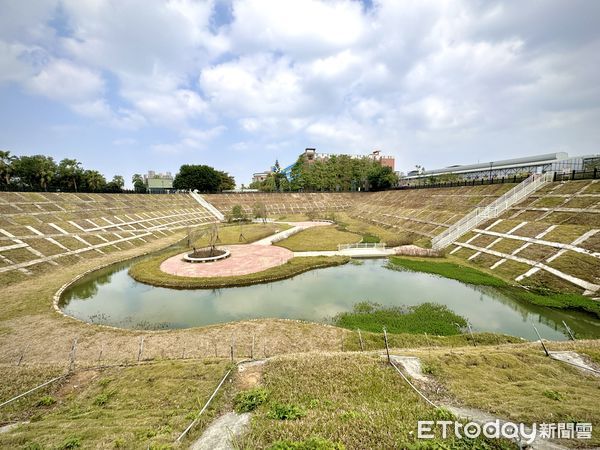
(43, 173)
(336, 173)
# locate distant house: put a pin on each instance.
(158, 183)
(260, 176)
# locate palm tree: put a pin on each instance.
(94, 179)
(45, 174)
(6, 169)
(70, 169)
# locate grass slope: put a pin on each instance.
(470, 275)
(520, 384)
(145, 406)
(339, 401)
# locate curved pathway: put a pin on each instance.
(245, 258)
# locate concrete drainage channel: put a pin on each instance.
(222, 432)
(412, 366)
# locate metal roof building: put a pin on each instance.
(557, 162)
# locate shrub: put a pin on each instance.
(552, 395)
(71, 442)
(428, 369)
(102, 399)
(249, 400)
(286, 411)
(46, 401)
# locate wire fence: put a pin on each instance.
(573, 175)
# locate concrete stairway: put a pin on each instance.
(496, 208)
(210, 208)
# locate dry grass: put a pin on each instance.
(511, 382)
(143, 406)
(352, 400)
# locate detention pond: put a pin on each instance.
(111, 297)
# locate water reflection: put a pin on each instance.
(111, 297)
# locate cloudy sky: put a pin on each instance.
(130, 85)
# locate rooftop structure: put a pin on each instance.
(555, 162)
(158, 182)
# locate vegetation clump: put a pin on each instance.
(47, 400)
(428, 318)
(249, 400)
(286, 411)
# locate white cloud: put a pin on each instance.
(192, 139)
(417, 77)
(13, 68)
(169, 108)
(261, 85)
(301, 28)
(64, 81)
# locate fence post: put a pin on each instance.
(22, 355)
(471, 332)
(569, 330)
(140, 349)
(387, 348)
(72, 355)
(362, 346)
(595, 172)
(541, 340)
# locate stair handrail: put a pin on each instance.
(494, 209)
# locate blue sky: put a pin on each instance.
(137, 85)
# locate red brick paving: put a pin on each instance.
(244, 259)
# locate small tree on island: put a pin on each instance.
(260, 211)
(238, 213)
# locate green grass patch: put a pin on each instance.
(249, 400)
(319, 238)
(424, 318)
(446, 269)
(148, 271)
(536, 294)
(370, 239)
(230, 234)
(286, 411)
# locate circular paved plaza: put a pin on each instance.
(244, 259)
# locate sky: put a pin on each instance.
(137, 85)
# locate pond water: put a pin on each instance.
(111, 297)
